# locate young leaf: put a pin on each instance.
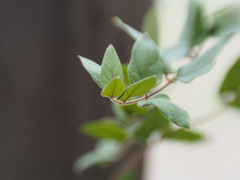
(105, 129)
(150, 24)
(111, 67)
(202, 63)
(154, 121)
(92, 68)
(106, 151)
(139, 88)
(133, 33)
(145, 60)
(170, 110)
(230, 89)
(114, 88)
(183, 135)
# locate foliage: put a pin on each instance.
(141, 110)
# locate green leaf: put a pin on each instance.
(154, 121)
(114, 88)
(202, 63)
(170, 110)
(139, 88)
(145, 60)
(133, 33)
(105, 129)
(230, 89)
(105, 152)
(125, 73)
(226, 20)
(194, 29)
(183, 135)
(111, 67)
(92, 68)
(150, 24)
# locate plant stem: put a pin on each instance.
(144, 97)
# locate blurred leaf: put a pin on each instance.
(227, 20)
(128, 176)
(125, 73)
(194, 31)
(111, 67)
(133, 33)
(150, 24)
(114, 88)
(105, 129)
(92, 68)
(176, 52)
(202, 63)
(170, 110)
(230, 89)
(106, 151)
(145, 60)
(139, 88)
(154, 121)
(183, 135)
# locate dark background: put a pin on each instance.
(45, 93)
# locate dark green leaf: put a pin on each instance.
(106, 151)
(105, 129)
(170, 110)
(150, 24)
(183, 135)
(114, 88)
(154, 121)
(202, 63)
(139, 88)
(92, 68)
(133, 33)
(145, 60)
(111, 67)
(230, 89)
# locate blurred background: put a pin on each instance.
(46, 94)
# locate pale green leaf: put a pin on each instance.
(114, 88)
(155, 121)
(105, 129)
(105, 152)
(230, 89)
(139, 88)
(194, 29)
(111, 67)
(92, 68)
(202, 63)
(226, 20)
(150, 24)
(170, 110)
(133, 33)
(176, 52)
(145, 60)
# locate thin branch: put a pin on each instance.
(145, 96)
